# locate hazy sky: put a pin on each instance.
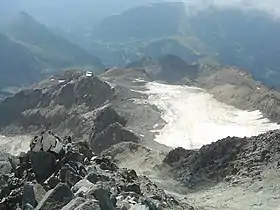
(270, 6)
(62, 12)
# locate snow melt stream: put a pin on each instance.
(194, 118)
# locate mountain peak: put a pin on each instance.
(23, 18)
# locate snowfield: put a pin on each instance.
(14, 145)
(194, 118)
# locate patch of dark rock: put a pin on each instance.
(112, 135)
(43, 165)
(104, 118)
(56, 198)
(175, 155)
(28, 196)
(103, 196)
(133, 188)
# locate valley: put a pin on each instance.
(151, 105)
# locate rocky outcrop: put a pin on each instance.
(239, 88)
(61, 102)
(231, 159)
(77, 183)
(105, 117)
(45, 170)
(177, 155)
(168, 68)
(56, 198)
(71, 104)
(112, 135)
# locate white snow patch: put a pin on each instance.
(194, 118)
(15, 145)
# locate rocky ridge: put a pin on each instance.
(41, 180)
(234, 160)
(238, 88)
(70, 103)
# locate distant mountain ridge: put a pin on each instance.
(245, 39)
(49, 47)
(144, 22)
(39, 52)
(17, 63)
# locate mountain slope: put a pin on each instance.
(246, 39)
(141, 22)
(52, 51)
(17, 64)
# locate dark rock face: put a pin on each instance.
(227, 160)
(43, 165)
(56, 198)
(176, 155)
(112, 135)
(104, 118)
(103, 197)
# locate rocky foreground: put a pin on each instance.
(77, 180)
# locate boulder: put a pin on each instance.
(27, 206)
(82, 186)
(72, 178)
(53, 182)
(39, 192)
(72, 205)
(55, 199)
(93, 177)
(104, 166)
(5, 167)
(133, 188)
(28, 196)
(102, 195)
(43, 165)
(89, 205)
